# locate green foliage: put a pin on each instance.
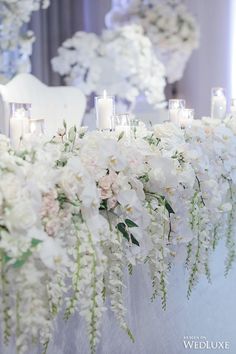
(130, 269)
(152, 140)
(166, 204)
(144, 178)
(179, 156)
(123, 228)
(121, 136)
(130, 223)
(103, 205)
(230, 241)
(24, 257)
(72, 134)
(162, 201)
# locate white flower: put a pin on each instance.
(77, 214)
(226, 207)
(21, 216)
(16, 42)
(163, 173)
(122, 60)
(52, 254)
(4, 143)
(170, 27)
(11, 188)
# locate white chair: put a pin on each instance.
(53, 104)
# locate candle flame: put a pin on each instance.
(104, 93)
(219, 92)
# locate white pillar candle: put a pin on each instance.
(104, 111)
(186, 117)
(19, 126)
(176, 108)
(218, 103)
(174, 115)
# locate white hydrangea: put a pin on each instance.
(122, 61)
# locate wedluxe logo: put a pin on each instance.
(202, 343)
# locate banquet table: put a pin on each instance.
(209, 312)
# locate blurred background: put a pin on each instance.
(213, 63)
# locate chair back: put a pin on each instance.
(53, 104)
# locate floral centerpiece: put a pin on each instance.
(77, 211)
(172, 30)
(16, 42)
(121, 60)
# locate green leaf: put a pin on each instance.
(130, 223)
(134, 240)
(103, 205)
(167, 205)
(144, 178)
(24, 257)
(3, 228)
(22, 260)
(6, 258)
(61, 163)
(64, 124)
(121, 135)
(169, 208)
(122, 228)
(72, 134)
(35, 242)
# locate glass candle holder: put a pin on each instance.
(105, 111)
(233, 107)
(19, 122)
(134, 126)
(36, 126)
(122, 124)
(186, 117)
(218, 103)
(176, 107)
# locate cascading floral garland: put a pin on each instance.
(76, 211)
(169, 25)
(16, 42)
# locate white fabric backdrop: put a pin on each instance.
(210, 65)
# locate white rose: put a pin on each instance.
(21, 216)
(10, 187)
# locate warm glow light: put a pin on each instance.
(219, 92)
(32, 127)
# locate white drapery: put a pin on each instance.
(210, 65)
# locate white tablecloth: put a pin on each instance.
(210, 312)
